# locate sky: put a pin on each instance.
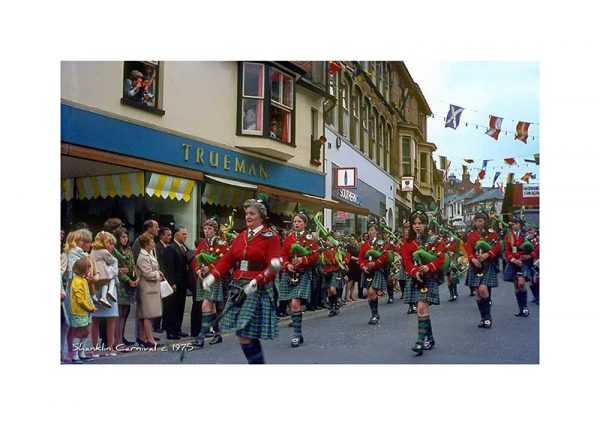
(504, 89)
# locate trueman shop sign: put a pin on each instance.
(94, 130)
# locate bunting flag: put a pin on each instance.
(465, 169)
(453, 116)
(495, 126)
(481, 174)
(510, 178)
(522, 129)
(469, 161)
(443, 162)
(446, 171)
(501, 187)
(359, 73)
(526, 177)
(496, 178)
(536, 156)
(509, 161)
(484, 164)
(334, 66)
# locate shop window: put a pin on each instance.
(141, 85)
(332, 114)
(266, 111)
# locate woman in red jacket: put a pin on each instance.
(372, 268)
(423, 287)
(518, 268)
(482, 272)
(295, 282)
(255, 258)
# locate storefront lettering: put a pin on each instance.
(349, 196)
(239, 164)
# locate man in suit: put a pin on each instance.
(164, 239)
(176, 273)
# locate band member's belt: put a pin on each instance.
(253, 266)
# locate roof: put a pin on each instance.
(488, 194)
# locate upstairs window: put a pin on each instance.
(267, 102)
(140, 85)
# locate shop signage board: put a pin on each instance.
(345, 178)
(349, 196)
(407, 184)
(531, 190)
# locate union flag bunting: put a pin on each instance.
(522, 129)
(495, 126)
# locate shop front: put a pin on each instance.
(115, 168)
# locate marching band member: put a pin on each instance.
(334, 267)
(534, 285)
(371, 259)
(518, 268)
(402, 276)
(299, 255)
(208, 251)
(482, 248)
(254, 256)
(423, 287)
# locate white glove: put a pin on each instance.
(208, 282)
(251, 287)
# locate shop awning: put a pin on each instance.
(163, 186)
(66, 189)
(128, 184)
(309, 203)
(230, 182)
(226, 196)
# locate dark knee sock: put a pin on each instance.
(402, 285)
(332, 302)
(214, 321)
(423, 328)
(373, 305)
(481, 308)
(297, 322)
(253, 352)
(206, 321)
(535, 291)
(390, 291)
(521, 299)
(486, 309)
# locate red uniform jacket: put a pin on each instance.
(536, 252)
(408, 248)
(259, 251)
(473, 236)
(362, 260)
(307, 260)
(218, 247)
(517, 241)
(330, 264)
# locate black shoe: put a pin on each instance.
(487, 323)
(210, 334)
(522, 313)
(297, 340)
(140, 342)
(183, 334)
(128, 343)
(217, 339)
(429, 343)
(374, 320)
(173, 336)
(451, 298)
(418, 348)
(333, 313)
(319, 307)
(412, 309)
(198, 342)
(390, 301)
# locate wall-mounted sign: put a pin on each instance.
(349, 196)
(407, 184)
(345, 178)
(531, 190)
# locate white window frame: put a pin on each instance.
(244, 96)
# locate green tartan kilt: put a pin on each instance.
(412, 294)
(255, 318)
(489, 276)
(335, 280)
(401, 275)
(300, 291)
(511, 272)
(378, 281)
(216, 293)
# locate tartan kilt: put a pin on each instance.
(331, 280)
(378, 281)
(489, 277)
(255, 318)
(510, 272)
(412, 294)
(300, 291)
(216, 293)
(401, 275)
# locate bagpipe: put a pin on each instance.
(324, 237)
(227, 228)
(482, 246)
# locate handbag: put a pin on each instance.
(165, 289)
